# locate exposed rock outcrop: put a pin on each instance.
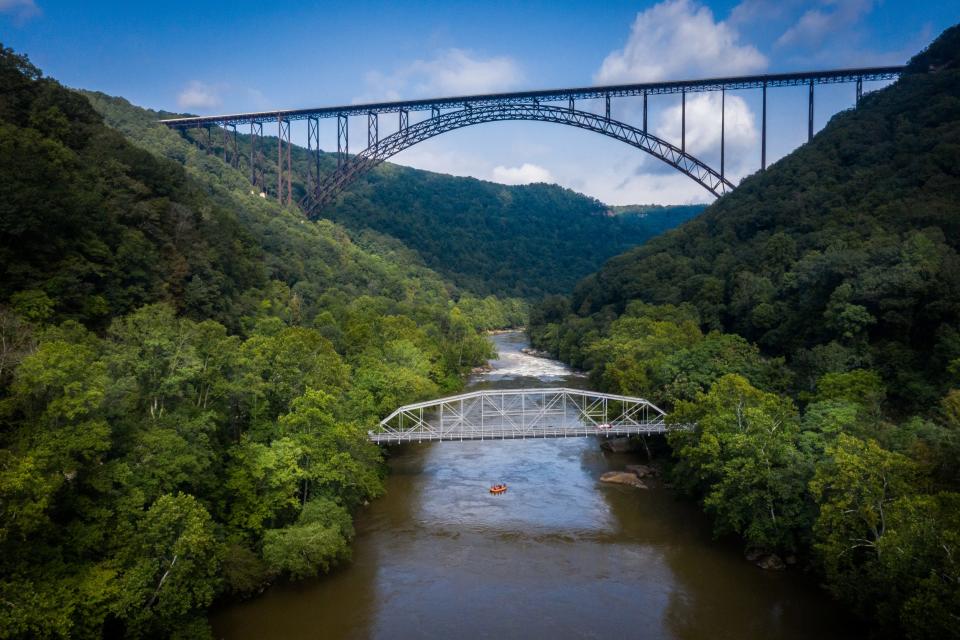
(643, 470)
(623, 477)
(766, 561)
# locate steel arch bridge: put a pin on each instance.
(373, 155)
(449, 113)
(501, 414)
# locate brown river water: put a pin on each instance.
(557, 556)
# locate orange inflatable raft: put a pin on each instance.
(498, 488)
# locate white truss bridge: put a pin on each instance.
(499, 414)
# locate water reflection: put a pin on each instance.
(558, 555)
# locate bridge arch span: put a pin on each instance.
(412, 134)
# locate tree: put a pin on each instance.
(171, 567)
(262, 484)
(318, 541)
(919, 559)
(337, 460)
(56, 398)
(855, 487)
(742, 455)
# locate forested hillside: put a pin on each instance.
(187, 373)
(523, 241)
(808, 324)
(487, 238)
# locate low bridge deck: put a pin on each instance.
(500, 414)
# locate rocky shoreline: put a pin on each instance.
(536, 353)
(497, 332)
(633, 475)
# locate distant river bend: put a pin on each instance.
(557, 556)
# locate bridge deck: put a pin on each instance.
(831, 76)
(511, 434)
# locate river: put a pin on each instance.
(557, 556)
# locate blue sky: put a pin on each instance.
(211, 57)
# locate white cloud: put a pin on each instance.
(21, 10)
(816, 24)
(450, 72)
(703, 129)
(675, 39)
(199, 95)
(524, 174)
(678, 39)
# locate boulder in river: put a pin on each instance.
(643, 470)
(623, 477)
(766, 561)
(536, 353)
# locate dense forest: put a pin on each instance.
(187, 371)
(808, 325)
(486, 238)
(489, 238)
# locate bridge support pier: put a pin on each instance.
(226, 142)
(859, 90)
(343, 139)
(230, 143)
(683, 121)
(313, 150)
(644, 112)
(404, 122)
(723, 122)
(810, 115)
(256, 131)
(283, 138)
(373, 130)
(608, 106)
(763, 132)
(235, 151)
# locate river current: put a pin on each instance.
(559, 555)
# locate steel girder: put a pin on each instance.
(366, 160)
(498, 414)
(832, 76)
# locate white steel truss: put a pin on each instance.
(498, 414)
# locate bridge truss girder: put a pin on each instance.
(500, 414)
(673, 87)
(440, 123)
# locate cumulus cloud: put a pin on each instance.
(21, 10)
(679, 38)
(682, 39)
(818, 23)
(449, 72)
(199, 95)
(703, 125)
(524, 174)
